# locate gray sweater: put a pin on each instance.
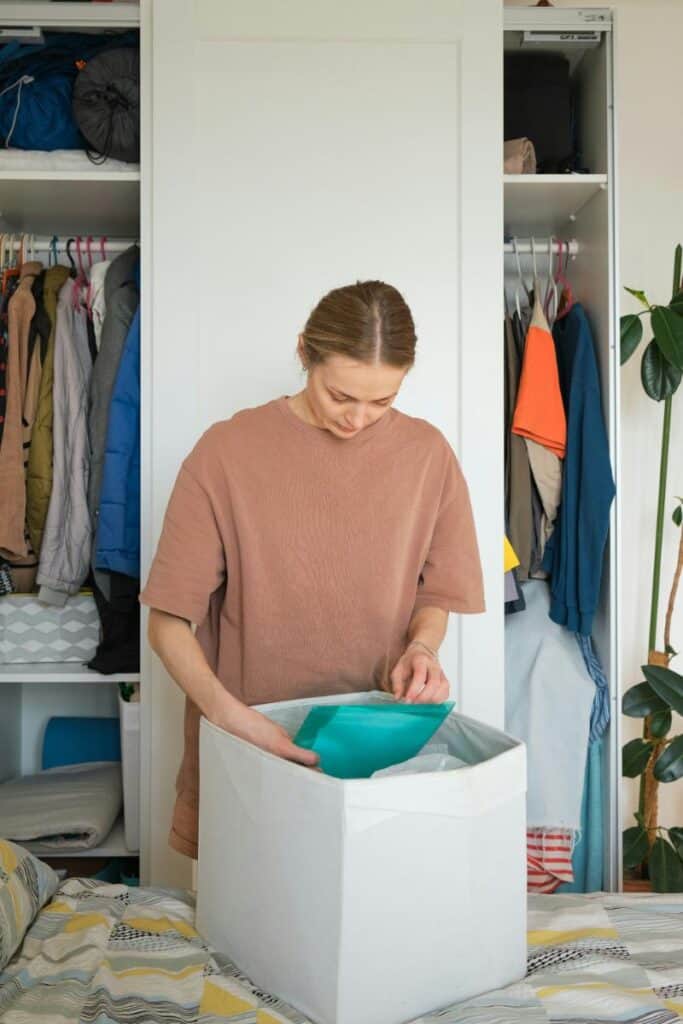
(67, 537)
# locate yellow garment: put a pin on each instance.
(510, 560)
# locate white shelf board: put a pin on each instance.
(70, 203)
(71, 15)
(544, 203)
(60, 672)
(113, 846)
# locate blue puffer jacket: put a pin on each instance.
(118, 531)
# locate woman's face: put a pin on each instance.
(345, 396)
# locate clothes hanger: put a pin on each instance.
(52, 254)
(103, 250)
(521, 279)
(550, 303)
(567, 296)
(88, 290)
(10, 270)
(81, 279)
(70, 242)
(533, 261)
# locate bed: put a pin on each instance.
(98, 953)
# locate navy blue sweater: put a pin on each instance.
(574, 554)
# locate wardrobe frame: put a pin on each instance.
(75, 16)
(597, 235)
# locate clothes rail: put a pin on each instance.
(524, 247)
(31, 243)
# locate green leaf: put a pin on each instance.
(676, 837)
(666, 867)
(634, 758)
(660, 379)
(676, 303)
(669, 765)
(678, 515)
(668, 331)
(635, 846)
(640, 701)
(660, 723)
(667, 684)
(641, 296)
(631, 333)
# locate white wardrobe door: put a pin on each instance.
(297, 148)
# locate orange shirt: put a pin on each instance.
(539, 413)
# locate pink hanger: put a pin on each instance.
(567, 298)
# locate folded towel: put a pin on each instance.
(66, 808)
(519, 157)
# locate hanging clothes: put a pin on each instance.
(38, 337)
(539, 418)
(588, 855)
(24, 570)
(117, 544)
(118, 531)
(20, 310)
(119, 646)
(574, 556)
(549, 859)
(97, 298)
(539, 412)
(600, 712)
(518, 508)
(39, 479)
(6, 292)
(121, 297)
(548, 701)
(67, 537)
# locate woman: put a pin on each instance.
(318, 542)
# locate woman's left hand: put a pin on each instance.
(417, 677)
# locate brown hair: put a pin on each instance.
(369, 321)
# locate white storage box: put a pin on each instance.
(31, 631)
(129, 720)
(365, 901)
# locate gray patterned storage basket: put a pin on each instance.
(32, 632)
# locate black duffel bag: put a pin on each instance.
(106, 104)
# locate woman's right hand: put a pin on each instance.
(252, 726)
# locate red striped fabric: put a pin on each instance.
(549, 859)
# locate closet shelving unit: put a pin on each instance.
(40, 199)
(538, 201)
(581, 208)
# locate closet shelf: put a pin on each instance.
(546, 202)
(113, 846)
(56, 202)
(60, 672)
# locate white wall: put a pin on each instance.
(650, 184)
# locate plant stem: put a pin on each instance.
(659, 534)
(647, 796)
(672, 595)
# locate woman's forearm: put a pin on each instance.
(173, 640)
(428, 626)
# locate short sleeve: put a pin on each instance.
(190, 562)
(451, 578)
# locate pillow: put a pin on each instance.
(26, 884)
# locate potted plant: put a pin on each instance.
(657, 757)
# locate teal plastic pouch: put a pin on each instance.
(355, 740)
